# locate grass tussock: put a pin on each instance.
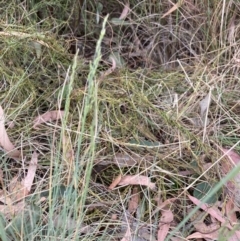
(163, 112)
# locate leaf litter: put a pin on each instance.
(125, 11)
(219, 220)
(13, 198)
(204, 107)
(130, 225)
(165, 220)
(68, 155)
(48, 116)
(5, 142)
(131, 107)
(133, 180)
(18, 190)
(233, 185)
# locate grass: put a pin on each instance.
(143, 118)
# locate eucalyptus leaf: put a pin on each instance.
(99, 11)
(120, 63)
(38, 48)
(204, 106)
(24, 223)
(202, 190)
(58, 192)
(118, 21)
(3, 222)
(146, 143)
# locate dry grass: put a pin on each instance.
(142, 118)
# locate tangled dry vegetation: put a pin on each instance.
(119, 120)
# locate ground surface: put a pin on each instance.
(117, 119)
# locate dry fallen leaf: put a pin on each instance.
(164, 224)
(4, 198)
(213, 211)
(19, 190)
(114, 217)
(235, 236)
(134, 201)
(68, 155)
(204, 106)
(213, 236)
(230, 212)
(114, 64)
(166, 217)
(125, 160)
(130, 229)
(11, 210)
(16, 190)
(5, 141)
(232, 217)
(232, 155)
(11, 124)
(196, 235)
(233, 186)
(137, 180)
(28, 180)
(127, 235)
(125, 11)
(217, 214)
(232, 27)
(115, 182)
(213, 230)
(48, 116)
(173, 8)
(201, 227)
